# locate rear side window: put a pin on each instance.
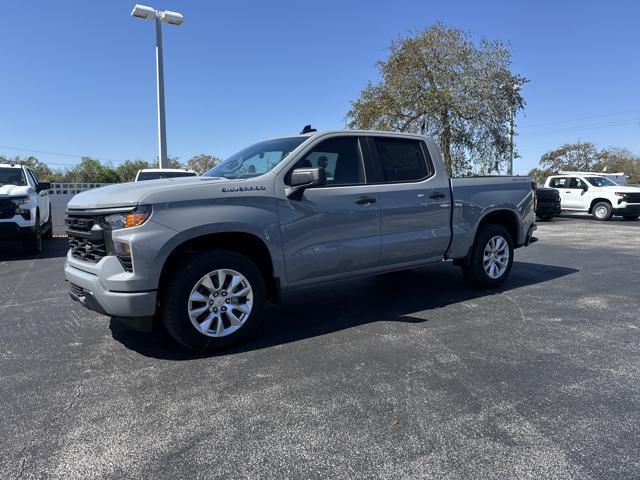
(559, 182)
(340, 158)
(576, 183)
(401, 159)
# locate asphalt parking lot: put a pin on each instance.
(405, 375)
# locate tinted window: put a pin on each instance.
(156, 175)
(576, 183)
(558, 182)
(340, 157)
(402, 160)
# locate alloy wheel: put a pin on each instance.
(220, 303)
(495, 259)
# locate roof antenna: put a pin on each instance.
(307, 129)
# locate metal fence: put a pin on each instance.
(60, 194)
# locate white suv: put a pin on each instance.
(25, 208)
(597, 195)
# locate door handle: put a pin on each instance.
(567, 191)
(365, 200)
(435, 195)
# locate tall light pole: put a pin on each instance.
(160, 17)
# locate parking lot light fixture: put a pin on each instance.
(173, 18)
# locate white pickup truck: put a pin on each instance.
(596, 195)
(25, 208)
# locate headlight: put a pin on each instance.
(136, 218)
(21, 200)
(619, 194)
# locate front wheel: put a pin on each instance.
(48, 229)
(212, 300)
(491, 257)
(33, 245)
(602, 211)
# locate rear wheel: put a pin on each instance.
(631, 217)
(213, 300)
(491, 257)
(602, 211)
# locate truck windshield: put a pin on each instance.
(160, 174)
(601, 182)
(12, 176)
(255, 160)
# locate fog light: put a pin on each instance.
(122, 249)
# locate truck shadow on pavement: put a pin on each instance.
(51, 248)
(321, 310)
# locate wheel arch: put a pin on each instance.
(244, 243)
(599, 200)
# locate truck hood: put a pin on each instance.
(620, 188)
(14, 190)
(132, 193)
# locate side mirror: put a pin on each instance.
(585, 188)
(303, 178)
(42, 186)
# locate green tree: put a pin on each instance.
(460, 92)
(614, 160)
(90, 170)
(540, 174)
(173, 162)
(202, 163)
(128, 169)
(41, 169)
(580, 156)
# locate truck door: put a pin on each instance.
(333, 229)
(43, 197)
(576, 197)
(562, 185)
(415, 201)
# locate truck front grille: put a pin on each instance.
(7, 209)
(632, 197)
(86, 238)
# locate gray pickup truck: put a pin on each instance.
(204, 254)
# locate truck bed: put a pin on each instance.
(476, 197)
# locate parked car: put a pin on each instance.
(596, 195)
(25, 208)
(206, 253)
(156, 173)
(547, 203)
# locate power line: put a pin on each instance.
(591, 117)
(72, 155)
(596, 126)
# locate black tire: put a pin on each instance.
(631, 218)
(602, 211)
(48, 229)
(33, 245)
(184, 276)
(473, 269)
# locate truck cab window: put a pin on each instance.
(402, 159)
(340, 157)
(558, 183)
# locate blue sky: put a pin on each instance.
(78, 77)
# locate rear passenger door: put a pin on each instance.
(415, 201)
